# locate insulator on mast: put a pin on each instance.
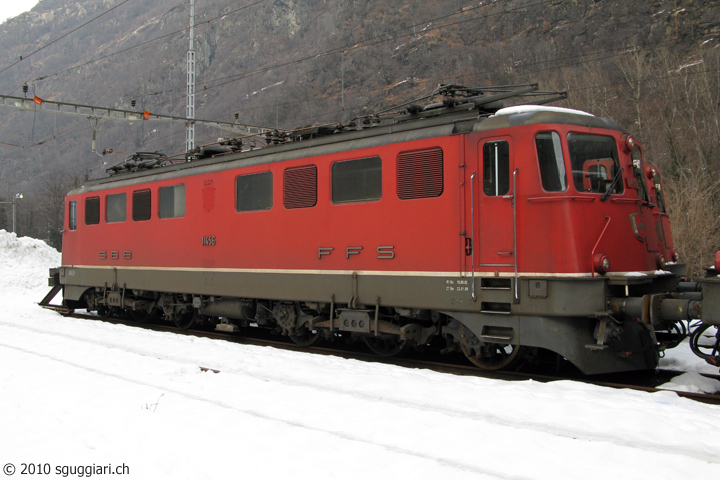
(25, 89)
(133, 102)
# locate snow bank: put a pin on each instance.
(24, 263)
(692, 382)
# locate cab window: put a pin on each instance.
(594, 161)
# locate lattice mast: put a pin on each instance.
(190, 113)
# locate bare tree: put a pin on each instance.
(693, 197)
(51, 206)
(685, 137)
(3, 214)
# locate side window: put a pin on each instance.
(550, 160)
(141, 205)
(72, 215)
(92, 210)
(300, 187)
(172, 201)
(357, 180)
(254, 192)
(115, 208)
(496, 168)
(420, 174)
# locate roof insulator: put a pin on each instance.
(413, 109)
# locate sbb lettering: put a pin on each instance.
(115, 255)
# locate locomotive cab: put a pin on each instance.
(572, 177)
(586, 239)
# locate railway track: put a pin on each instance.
(639, 381)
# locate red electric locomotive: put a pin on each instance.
(504, 233)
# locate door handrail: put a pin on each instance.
(516, 291)
(472, 232)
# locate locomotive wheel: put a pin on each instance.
(140, 316)
(488, 356)
(104, 311)
(305, 337)
(385, 345)
(184, 320)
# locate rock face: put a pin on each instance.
(289, 63)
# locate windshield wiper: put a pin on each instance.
(615, 180)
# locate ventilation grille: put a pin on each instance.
(420, 174)
(300, 187)
(92, 210)
(141, 205)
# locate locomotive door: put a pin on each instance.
(494, 213)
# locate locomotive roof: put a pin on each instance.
(532, 114)
(441, 121)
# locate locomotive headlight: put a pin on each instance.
(651, 172)
(601, 263)
(629, 143)
(676, 256)
(661, 263)
(605, 263)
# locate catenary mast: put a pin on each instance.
(190, 113)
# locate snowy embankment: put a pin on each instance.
(79, 393)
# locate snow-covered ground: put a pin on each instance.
(77, 397)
